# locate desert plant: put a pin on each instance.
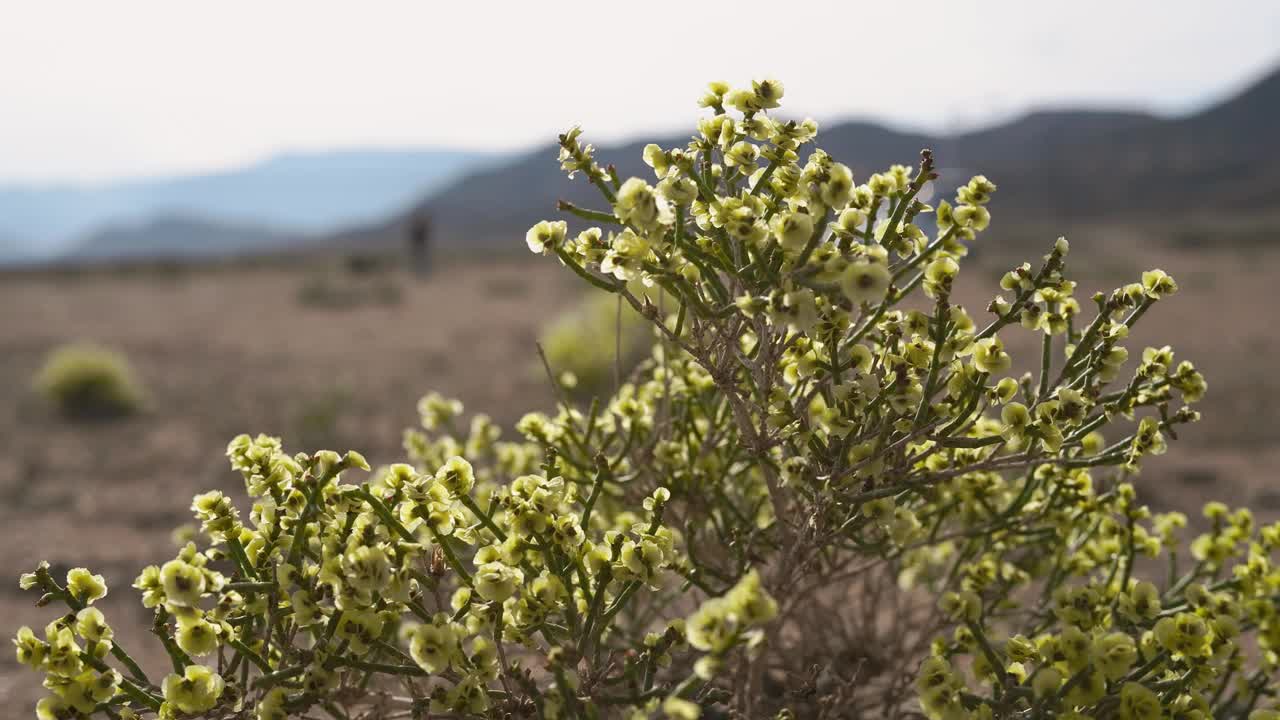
(823, 496)
(316, 418)
(594, 342)
(357, 289)
(87, 381)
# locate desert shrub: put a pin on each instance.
(507, 287)
(358, 289)
(366, 263)
(824, 495)
(86, 381)
(316, 417)
(594, 342)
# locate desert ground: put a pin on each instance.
(270, 347)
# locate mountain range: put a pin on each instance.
(295, 194)
(1050, 165)
(1055, 166)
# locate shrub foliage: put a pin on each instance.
(823, 495)
(87, 381)
(592, 344)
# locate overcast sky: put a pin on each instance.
(98, 90)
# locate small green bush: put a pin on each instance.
(363, 288)
(87, 381)
(593, 342)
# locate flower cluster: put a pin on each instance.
(817, 411)
(1099, 639)
(406, 576)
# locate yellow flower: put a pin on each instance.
(938, 276)
(679, 191)
(1142, 602)
(1139, 703)
(272, 706)
(767, 92)
(640, 559)
(676, 708)
(368, 569)
(1158, 283)
(85, 586)
(708, 628)
(1114, 654)
(1184, 633)
(62, 656)
(742, 154)
(361, 628)
(497, 581)
(197, 636)
(546, 236)
(88, 689)
(865, 282)
(977, 191)
(1091, 688)
(1046, 682)
(715, 94)
(989, 355)
(92, 626)
(961, 606)
(792, 229)
(435, 410)
(195, 691)
(1075, 647)
(655, 158)
(837, 190)
(1093, 443)
(457, 476)
(975, 217)
(52, 707)
(183, 583)
(638, 204)
(749, 602)
(1016, 419)
(30, 649)
(305, 610)
(432, 647)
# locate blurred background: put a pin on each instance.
(296, 218)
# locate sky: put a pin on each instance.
(92, 91)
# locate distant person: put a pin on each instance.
(420, 244)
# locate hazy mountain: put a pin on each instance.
(305, 192)
(174, 237)
(1057, 166)
(1050, 165)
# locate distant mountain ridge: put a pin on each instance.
(1050, 164)
(1053, 166)
(302, 192)
(180, 237)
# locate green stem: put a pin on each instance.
(483, 517)
(248, 653)
(582, 273)
(385, 668)
(241, 558)
(588, 215)
(1046, 360)
(132, 689)
(453, 560)
(382, 511)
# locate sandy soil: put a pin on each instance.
(225, 351)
